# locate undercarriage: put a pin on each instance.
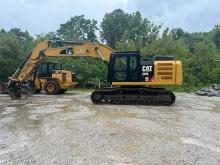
(133, 95)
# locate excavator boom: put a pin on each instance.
(43, 50)
(19, 80)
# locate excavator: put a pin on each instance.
(131, 80)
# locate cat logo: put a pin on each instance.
(146, 68)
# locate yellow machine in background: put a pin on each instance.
(131, 79)
(52, 78)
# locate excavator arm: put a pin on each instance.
(44, 49)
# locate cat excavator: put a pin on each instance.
(131, 80)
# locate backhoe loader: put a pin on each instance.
(48, 71)
(131, 80)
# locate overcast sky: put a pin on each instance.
(41, 16)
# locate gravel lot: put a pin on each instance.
(69, 129)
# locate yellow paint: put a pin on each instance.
(165, 73)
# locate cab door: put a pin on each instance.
(124, 67)
(119, 70)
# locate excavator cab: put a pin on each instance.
(127, 69)
(46, 69)
(124, 67)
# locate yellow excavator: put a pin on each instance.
(131, 80)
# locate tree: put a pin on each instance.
(140, 30)
(10, 55)
(25, 40)
(86, 69)
(177, 33)
(119, 26)
(216, 36)
(203, 63)
(166, 46)
(49, 36)
(127, 45)
(165, 33)
(79, 29)
(113, 26)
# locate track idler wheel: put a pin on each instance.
(96, 97)
(167, 98)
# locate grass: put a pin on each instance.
(186, 88)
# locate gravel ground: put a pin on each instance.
(69, 129)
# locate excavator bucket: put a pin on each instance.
(17, 90)
(11, 91)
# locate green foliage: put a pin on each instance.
(140, 30)
(113, 26)
(24, 38)
(119, 26)
(166, 46)
(125, 46)
(216, 36)
(203, 64)
(78, 29)
(10, 55)
(177, 33)
(49, 36)
(86, 69)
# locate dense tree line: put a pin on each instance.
(199, 51)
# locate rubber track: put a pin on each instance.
(141, 96)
